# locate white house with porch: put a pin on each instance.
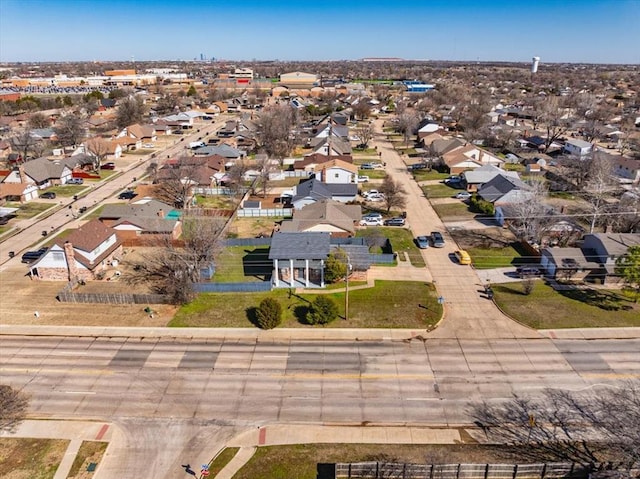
(299, 259)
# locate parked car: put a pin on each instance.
(437, 240)
(108, 166)
(127, 195)
(31, 256)
(75, 181)
(527, 271)
(370, 192)
(462, 256)
(463, 195)
(148, 145)
(367, 166)
(422, 242)
(368, 221)
(48, 195)
(363, 179)
(397, 221)
(375, 198)
(418, 166)
(374, 215)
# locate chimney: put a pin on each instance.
(23, 176)
(71, 260)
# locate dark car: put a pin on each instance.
(418, 166)
(108, 166)
(527, 271)
(31, 256)
(437, 240)
(48, 195)
(397, 221)
(127, 195)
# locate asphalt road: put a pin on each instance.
(175, 398)
(30, 236)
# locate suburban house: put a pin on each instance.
(145, 219)
(162, 129)
(298, 259)
(577, 147)
(314, 190)
(85, 254)
(498, 186)
(20, 192)
(41, 134)
(336, 171)
(474, 179)
(309, 162)
(144, 133)
(626, 168)
(330, 145)
(41, 172)
(226, 151)
(469, 157)
(327, 216)
(594, 260)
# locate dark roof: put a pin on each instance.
(299, 246)
(498, 186)
(319, 190)
(89, 236)
(359, 255)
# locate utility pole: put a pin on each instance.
(346, 294)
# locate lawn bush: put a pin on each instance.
(323, 310)
(269, 313)
(480, 205)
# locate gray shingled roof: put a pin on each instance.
(299, 246)
(42, 169)
(147, 209)
(499, 186)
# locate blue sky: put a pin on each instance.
(594, 31)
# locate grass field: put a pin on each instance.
(545, 308)
(222, 460)
(243, 263)
(23, 458)
(439, 191)
(90, 451)
(446, 210)
(67, 191)
(29, 210)
(423, 175)
(485, 258)
(401, 241)
(390, 304)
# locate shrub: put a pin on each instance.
(269, 313)
(482, 206)
(335, 268)
(323, 310)
(527, 286)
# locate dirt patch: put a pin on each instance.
(253, 227)
(22, 458)
(483, 238)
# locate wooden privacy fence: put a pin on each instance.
(460, 471)
(65, 296)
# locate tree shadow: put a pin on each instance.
(593, 297)
(252, 315)
(301, 311)
(257, 263)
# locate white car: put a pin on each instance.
(148, 145)
(463, 195)
(371, 193)
(370, 221)
(375, 198)
(363, 179)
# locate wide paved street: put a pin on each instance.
(167, 395)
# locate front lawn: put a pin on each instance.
(439, 191)
(545, 308)
(446, 210)
(390, 304)
(67, 190)
(31, 209)
(423, 175)
(487, 258)
(401, 240)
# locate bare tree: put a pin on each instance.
(599, 188)
(601, 429)
(98, 148)
(407, 124)
(552, 113)
(173, 182)
(364, 131)
(70, 130)
(235, 175)
(38, 120)
(394, 193)
(173, 270)
(265, 168)
(131, 110)
(275, 134)
(530, 215)
(23, 143)
(13, 407)
(362, 109)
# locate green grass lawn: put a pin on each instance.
(390, 304)
(67, 190)
(215, 201)
(401, 239)
(423, 175)
(439, 191)
(373, 174)
(486, 258)
(545, 308)
(453, 209)
(243, 264)
(31, 209)
(222, 460)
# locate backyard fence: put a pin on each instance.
(265, 212)
(111, 298)
(248, 242)
(382, 258)
(253, 287)
(461, 471)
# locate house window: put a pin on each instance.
(336, 175)
(58, 256)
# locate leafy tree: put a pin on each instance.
(335, 267)
(95, 95)
(130, 112)
(13, 407)
(70, 130)
(628, 267)
(323, 310)
(269, 313)
(394, 193)
(192, 91)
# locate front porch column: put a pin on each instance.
(276, 274)
(322, 273)
(306, 273)
(292, 274)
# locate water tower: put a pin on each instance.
(534, 64)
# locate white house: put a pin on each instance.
(577, 147)
(336, 171)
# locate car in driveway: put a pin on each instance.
(463, 195)
(528, 271)
(75, 181)
(373, 214)
(108, 166)
(48, 195)
(32, 256)
(127, 195)
(437, 240)
(363, 179)
(422, 242)
(397, 221)
(462, 256)
(371, 221)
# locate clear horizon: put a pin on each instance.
(571, 31)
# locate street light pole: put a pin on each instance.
(346, 295)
